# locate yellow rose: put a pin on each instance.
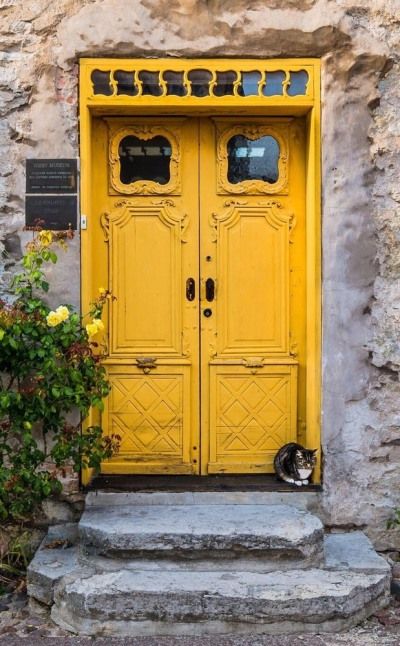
(99, 323)
(102, 291)
(53, 319)
(91, 329)
(45, 238)
(63, 312)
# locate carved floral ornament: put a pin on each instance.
(252, 186)
(145, 133)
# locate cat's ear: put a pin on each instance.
(314, 451)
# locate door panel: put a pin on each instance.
(150, 246)
(145, 241)
(252, 244)
(152, 415)
(253, 413)
(200, 235)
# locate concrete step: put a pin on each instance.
(275, 532)
(105, 596)
(177, 602)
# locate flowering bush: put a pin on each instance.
(49, 366)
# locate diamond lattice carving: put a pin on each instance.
(253, 414)
(147, 413)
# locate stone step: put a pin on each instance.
(278, 532)
(59, 555)
(178, 602)
(303, 498)
(167, 596)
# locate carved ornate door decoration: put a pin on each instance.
(198, 228)
(133, 139)
(275, 135)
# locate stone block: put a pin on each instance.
(209, 602)
(198, 531)
(353, 550)
(56, 557)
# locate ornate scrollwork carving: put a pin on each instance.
(146, 364)
(105, 225)
(253, 186)
(253, 363)
(144, 186)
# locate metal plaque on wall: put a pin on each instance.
(51, 176)
(51, 200)
(57, 212)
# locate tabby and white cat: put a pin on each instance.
(294, 464)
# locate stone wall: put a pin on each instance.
(358, 43)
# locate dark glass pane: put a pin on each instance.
(225, 83)
(125, 83)
(175, 83)
(298, 83)
(101, 83)
(150, 83)
(253, 159)
(273, 85)
(249, 83)
(145, 159)
(200, 82)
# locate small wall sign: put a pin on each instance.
(51, 193)
(51, 175)
(57, 212)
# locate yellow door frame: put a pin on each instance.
(275, 87)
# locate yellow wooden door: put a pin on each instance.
(200, 239)
(145, 189)
(253, 331)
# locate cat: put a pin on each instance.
(294, 464)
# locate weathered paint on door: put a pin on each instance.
(205, 260)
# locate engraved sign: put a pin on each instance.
(51, 200)
(57, 212)
(51, 176)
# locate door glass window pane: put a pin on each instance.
(253, 159)
(225, 83)
(249, 83)
(145, 159)
(150, 83)
(200, 82)
(298, 83)
(101, 83)
(125, 83)
(274, 83)
(175, 84)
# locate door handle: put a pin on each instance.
(190, 289)
(210, 289)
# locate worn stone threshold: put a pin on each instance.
(263, 482)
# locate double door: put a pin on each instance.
(200, 238)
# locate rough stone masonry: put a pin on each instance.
(358, 42)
